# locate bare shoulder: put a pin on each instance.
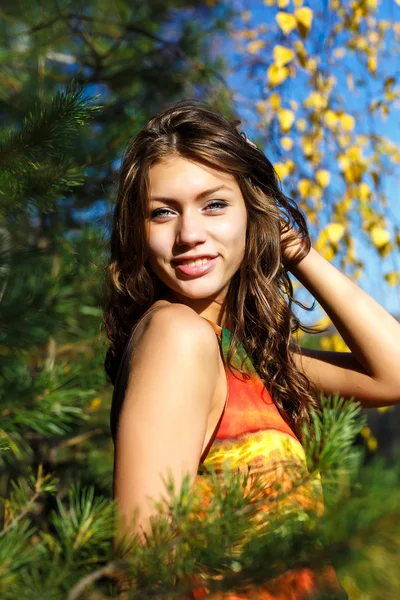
(173, 325)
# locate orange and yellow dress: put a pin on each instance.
(254, 438)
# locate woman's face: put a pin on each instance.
(195, 211)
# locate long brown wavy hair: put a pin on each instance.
(260, 295)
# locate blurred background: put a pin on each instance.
(316, 86)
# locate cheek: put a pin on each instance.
(158, 244)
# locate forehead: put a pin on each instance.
(177, 176)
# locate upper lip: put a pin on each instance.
(193, 257)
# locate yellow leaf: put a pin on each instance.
(372, 64)
(328, 252)
(286, 118)
(95, 404)
(256, 46)
(316, 100)
(335, 232)
(380, 236)
(293, 104)
(372, 443)
(301, 53)
(282, 55)
(364, 191)
(323, 178)
(304, 186)
(338, 343)
(277, 75)
(365, 432)
(393, 278)
(281, 170)
(287, 143)
(383, 409)
(246, 15)
(308, 147)
(331, 118)
(286, 22)
(311, 65)
(347, 122)
(275, 101)
(304, 18)
(283, 3)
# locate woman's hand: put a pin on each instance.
(294, 248)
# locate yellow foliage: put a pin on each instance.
(283, 3)
(301, 53)
(308, 147)
(286, 118)
(380, 236)
(286, 21)
(364, 191)
(95, 404)
(354, 153)
(365, 432)
(287, 143)
(316, 100)
(277, 75)
(304, 17)
(282, 55)
(347, 122)
(301, 125)
(311, 65)
(256, 46)
(383, 409)
(393, 278)
(334, 232)
(282, 170)
(304, 186)
(246, 15)
(372, 443)
(275, 101)
(323, 178)
(293, 104)
(372, 64)
(331, 118)
(334, 342)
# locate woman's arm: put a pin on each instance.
(173, 374)
(371, 372)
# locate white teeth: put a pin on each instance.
(195, 263)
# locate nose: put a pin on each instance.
(190, 229)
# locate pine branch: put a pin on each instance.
(49, 128)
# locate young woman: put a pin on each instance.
(200, 318)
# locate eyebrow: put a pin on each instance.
(198, 197)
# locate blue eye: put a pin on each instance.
(160, 212)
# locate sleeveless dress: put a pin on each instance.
(252, 437)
